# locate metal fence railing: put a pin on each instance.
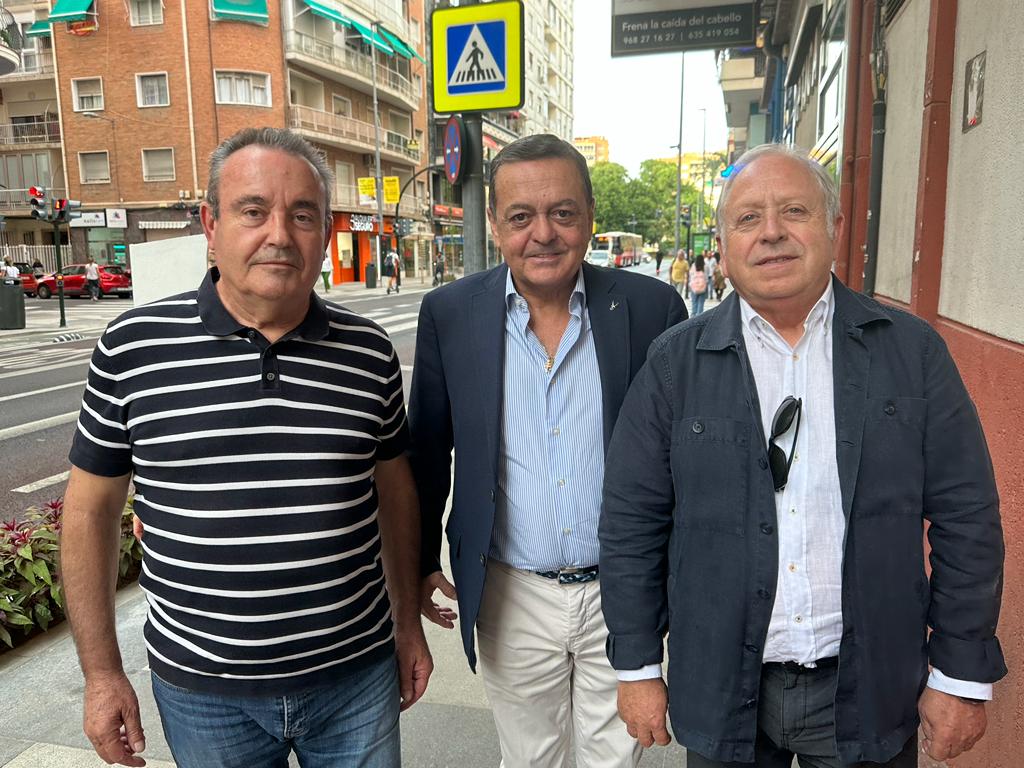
(29, 254)
(30, 133)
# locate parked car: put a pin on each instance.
(115, 280)
(28, 279)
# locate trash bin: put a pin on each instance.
(12, 304)
(371, 275)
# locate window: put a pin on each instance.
(158, 164)
(417, 85)
(87, 94)
(94, 167)
(146, 12)
(151, 90)
(342, 106)
(414, 31)
(243, 88)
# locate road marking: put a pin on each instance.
(42, 368)
(5, 398)
(392, 329)
(38, 425)
(46, 482)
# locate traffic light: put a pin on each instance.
(685, 216)
(39, 203)
(58, 208)
(72, 209)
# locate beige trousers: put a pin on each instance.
(542, 657)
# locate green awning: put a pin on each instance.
(395, 42)
(70, 10)
(39, 29)
(372, 37)
(329, 12)
(253, 11)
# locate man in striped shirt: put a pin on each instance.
(522, 370)
(264, 431)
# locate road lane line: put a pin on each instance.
(5, 398)
(392, 329)
(46, 482)
(37, 426)
(40, 369)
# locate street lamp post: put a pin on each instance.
(703, 167)
(378, 183)
(679, 150)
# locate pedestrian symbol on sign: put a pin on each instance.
(481, 65)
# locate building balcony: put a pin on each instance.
(345, 65)
(346, 197)
(384, 12)
(349, 133)
(30, 135)
(742, 80)
(34, 65)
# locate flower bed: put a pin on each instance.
(31, 595)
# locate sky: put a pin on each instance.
(633, 101)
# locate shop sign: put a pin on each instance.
(90, 219)
(117, 218)
(360, 223)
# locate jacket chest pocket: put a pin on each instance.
(892, 465)
(710, 463)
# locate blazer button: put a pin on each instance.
(890, 408)
(483, 560)
(750, 703)
(492, 494)
(766, 529)
(764, 594)
(751, 648)
(698, 427)
(762, 463)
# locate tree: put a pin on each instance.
(611, 196)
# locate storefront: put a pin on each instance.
(353, 245)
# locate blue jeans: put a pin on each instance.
(353, 723)
(697, 303)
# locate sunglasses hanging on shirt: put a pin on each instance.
(778, 461)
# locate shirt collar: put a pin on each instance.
(577, 299)
(820, 315)
(219, 322)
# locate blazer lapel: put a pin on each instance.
(609, 322)
(487, 319)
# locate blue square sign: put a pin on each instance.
(478, 65)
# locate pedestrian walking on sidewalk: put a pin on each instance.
(679, 272)
(392, 267)
(92, 278)
(699, 285)
(278, 517)
(326, 269)
(772, 525)
(516, 367)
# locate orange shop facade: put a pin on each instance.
(352, 245)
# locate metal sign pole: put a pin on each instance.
(60, 270)
(474, 227)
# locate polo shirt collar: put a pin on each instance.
(219, 322)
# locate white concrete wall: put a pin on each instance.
(985, 194)
(167, 267)
(907, 46)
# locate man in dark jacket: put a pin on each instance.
(768, 482)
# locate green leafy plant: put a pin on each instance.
(31, 595)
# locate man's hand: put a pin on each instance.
(414, 663)
(642, 707)
(112, 720)
(439, 614)
(950, 725)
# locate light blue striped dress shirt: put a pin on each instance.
(551, 460)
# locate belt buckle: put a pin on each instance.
(577, 575)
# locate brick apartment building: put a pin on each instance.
(118, 103)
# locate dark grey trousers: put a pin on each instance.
(796, 717)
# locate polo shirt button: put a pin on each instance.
(698, 427)
(762, 463)
(766, 529)
(890, 409)
(251, 334)
(271, 376)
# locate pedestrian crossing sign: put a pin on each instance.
(478, 57)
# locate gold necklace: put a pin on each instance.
(549, 364)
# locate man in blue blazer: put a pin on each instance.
(522, 369)
(768, 484)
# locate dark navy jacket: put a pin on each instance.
(457, 394)
(688, 542)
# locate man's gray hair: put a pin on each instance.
(271, 138)
(541, 146)
(829, 193)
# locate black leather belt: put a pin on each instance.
(829, 662)
(571, 575)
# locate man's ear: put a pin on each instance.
(207, 220)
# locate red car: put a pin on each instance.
(28, 279)
(115, 280)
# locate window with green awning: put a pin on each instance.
(252, 11)
(39, 29)
(397, 43)
(70, 10)
(372, 38)
(329, 12)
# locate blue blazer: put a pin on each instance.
(456, 399)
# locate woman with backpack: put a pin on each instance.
(698, 286)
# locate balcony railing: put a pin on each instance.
(347, 196)
(348, 130)
(35, 63)
(352, 62)
(47, 132)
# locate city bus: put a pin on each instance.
(624, 248)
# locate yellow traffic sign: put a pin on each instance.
(392, 188)
(477, 62)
